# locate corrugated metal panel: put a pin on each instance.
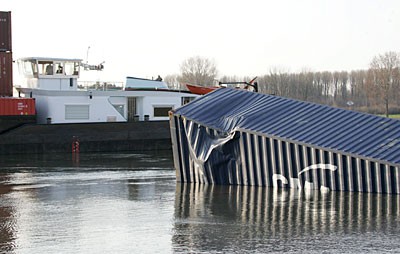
(302, 122)
(237, 137)
(6, 86)
(5, 31)
(17, 106)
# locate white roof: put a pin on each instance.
(54, 59)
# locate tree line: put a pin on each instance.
(375, 90)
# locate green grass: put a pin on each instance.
(395, 116)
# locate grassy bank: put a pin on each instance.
(395, 116)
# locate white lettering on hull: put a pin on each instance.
(295, 182)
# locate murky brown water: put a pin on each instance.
(130, 203)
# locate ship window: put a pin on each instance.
(29, 68)
(76, 68)
(76, 112)
(46, 67)
(120, 108)
(161, 111)
(34, 67)
(71, 68)
(186, 100)
(59, 68)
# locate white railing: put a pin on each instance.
(100, 85)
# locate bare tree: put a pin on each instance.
(326, 82)
(278, 81)
(372, 93)
(199, 71)
(335, 82)
(173, 82)
(305, 84)
(367, 89)
(385, 70)
(318, 86)
(358, 88)
(343, 89)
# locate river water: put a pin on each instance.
(131, 203)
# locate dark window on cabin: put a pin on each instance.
(186, 100)
(161, 111)
(46, 67)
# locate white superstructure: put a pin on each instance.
(60, 98)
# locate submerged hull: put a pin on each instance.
(92, 137)
(217, 147)
(256, 160)
(8, 123)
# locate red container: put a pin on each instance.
(10, 106)
(6, 74)
(5, 31)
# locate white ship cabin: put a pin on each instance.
(61, 98)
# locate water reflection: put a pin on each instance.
(110, 203)
(130, 203)
(237, 218)
(7, 220)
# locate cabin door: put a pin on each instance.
(132, 117)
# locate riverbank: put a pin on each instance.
(91, 137)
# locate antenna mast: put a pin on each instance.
(87, 54)
(87, 67)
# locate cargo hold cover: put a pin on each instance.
(237, 137)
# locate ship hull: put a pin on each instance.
(91, 137)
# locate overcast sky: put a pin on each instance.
(245, 38)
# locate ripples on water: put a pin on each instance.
(130, 203)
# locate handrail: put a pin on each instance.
(101, 86)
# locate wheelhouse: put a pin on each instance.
(50, 73)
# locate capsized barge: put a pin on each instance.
(238, 137)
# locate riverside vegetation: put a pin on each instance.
(375, 90)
